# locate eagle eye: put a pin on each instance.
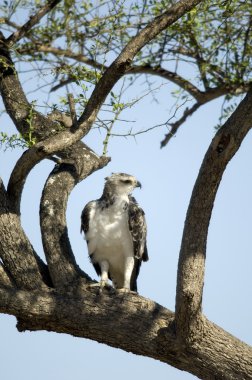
(127, 181)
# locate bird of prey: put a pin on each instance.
(115, 232)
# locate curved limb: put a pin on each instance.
(190, 278)
(60, 258)
(5, 279)
(16, 252)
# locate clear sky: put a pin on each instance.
(167, 176)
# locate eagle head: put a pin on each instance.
(122, 183)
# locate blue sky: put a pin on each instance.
(167, 176)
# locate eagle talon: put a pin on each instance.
(102, 284)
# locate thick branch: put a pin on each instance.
(16, 36)
(23, 166)
(22, 113)
(133, 324)
(60, 183)
(16, 252)
(193, 249)
(5, 278)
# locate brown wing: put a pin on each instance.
(138, 230)
(85, 217)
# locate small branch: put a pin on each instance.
(192, 54)
(175, 126)
(115, 71)
(122, 63)
(246, 46)
(62, 52)
(62, 83)
(198, 56)
(171, 76)
(72, 110)
(145, 69)
(191, 266)
(24, 29)
(200, 96)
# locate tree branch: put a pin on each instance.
(132, 323)
(5, 278)
(115, 71)
(79, 57)
(22, 113)
(24, 29)
(16, 252)
(60, 183)
(198, 55)
(175, 126)
(24, 165)
(122, 63)
(144, 69)
(171, 76)
(193, 248)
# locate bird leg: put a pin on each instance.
(104, 275)
(129, 266)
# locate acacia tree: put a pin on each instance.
(99, 45)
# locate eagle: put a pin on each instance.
(115, 231)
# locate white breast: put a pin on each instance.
(109, 237)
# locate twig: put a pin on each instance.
(175, 126)
(72, 109)
(16, 36)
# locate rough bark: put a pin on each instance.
(193, 248)
(5, 278)
(134, 324)
(82, 161)
(16, 251)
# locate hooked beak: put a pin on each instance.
(138, 184)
